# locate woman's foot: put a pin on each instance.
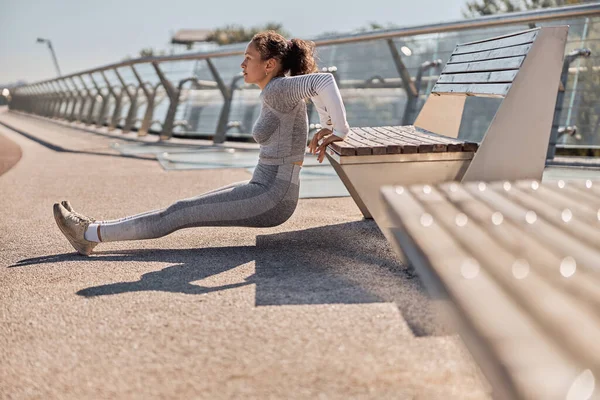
(73, 226)
(67, 205)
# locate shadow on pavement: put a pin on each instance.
(348, 263)
(61, 149)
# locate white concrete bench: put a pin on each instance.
(522, 68)
(519, 265)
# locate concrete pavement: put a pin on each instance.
(318, 307)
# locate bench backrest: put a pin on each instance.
(524, 70)
(486, 67)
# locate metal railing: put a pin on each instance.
(384, 77)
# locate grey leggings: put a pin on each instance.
(268, 199)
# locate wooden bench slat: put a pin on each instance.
(495, 326)
(580, 210)
(453, 144)
(594, 187)
(584, 285)
(495, 43)
(465, 146)
(343, 148)
(406, 146)
(415, 146)
(375, 147)
(492, 89)
(394, 146)
(581, 194)
(558, 217)
(424, 145)
(390, 147)
(558, 313)
(491, 54)
(479, 77)
(438, 146)
(563, 243)
(361, 148)
(484, 66)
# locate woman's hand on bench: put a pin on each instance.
(320, 141)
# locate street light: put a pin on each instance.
(47, 41)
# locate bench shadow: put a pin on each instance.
(349, 263)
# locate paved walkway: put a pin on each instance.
(318, 307)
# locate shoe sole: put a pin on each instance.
(58, 217)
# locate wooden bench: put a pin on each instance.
(519, 265)
(522, 68)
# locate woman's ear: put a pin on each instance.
(271, 65)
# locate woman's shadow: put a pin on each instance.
(347, 263)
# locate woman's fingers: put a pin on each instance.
(314, 143)
(323, 146)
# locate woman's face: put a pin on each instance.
(256, 70)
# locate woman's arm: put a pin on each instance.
(285, 93)
(324, 118)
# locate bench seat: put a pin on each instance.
(407, 139)
(518, 264)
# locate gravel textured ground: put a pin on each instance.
(319, 307)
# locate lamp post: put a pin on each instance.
(49, 43)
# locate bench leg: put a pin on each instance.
(349, 187)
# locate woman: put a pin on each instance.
(284, 70)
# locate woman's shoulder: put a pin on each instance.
(289, 82)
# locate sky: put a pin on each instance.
(87, 34)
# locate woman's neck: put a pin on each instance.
(265, 82)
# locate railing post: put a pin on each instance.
(100, 120)
(82, 101)
(76, 100)
(85, 96)
(39, 108)
(43, 98)
(92, 97)
(564, 78)
(118, 97)
(47, 99)
(59, 97)
(133, 103)
(55, 100)
(227, 98)
(173, 93)
(410, 111)
(66, 98)
(412, 93)
(150, 96)
(30, 99)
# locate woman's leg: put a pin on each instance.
(221, 189)
(267, 200)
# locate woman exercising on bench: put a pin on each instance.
(284, 70)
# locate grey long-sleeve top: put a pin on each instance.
(282, 126)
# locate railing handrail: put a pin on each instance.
(547, 14)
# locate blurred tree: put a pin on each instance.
(147, 52)
(150, 52)
(476, 8)
(238, 34)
